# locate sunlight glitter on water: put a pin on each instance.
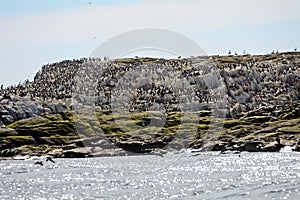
(180, 176)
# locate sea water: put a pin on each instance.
(209, 175)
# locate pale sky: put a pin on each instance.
(35, 32)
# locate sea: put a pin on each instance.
(180, 175)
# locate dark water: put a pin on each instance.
(175, 176)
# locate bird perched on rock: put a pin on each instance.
(276, 112)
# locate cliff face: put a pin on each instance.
(262, 84)
(259, 96)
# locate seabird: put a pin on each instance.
(278, 140)
(39, 163)
(277, 111)
(50, 159)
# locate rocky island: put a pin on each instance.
(94, 107)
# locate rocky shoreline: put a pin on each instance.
(56, 135)
(52, 115)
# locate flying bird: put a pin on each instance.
(50, 159)
(39, 163)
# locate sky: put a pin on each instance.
(34, 32)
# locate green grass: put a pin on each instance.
(29, 122)
(20, 140)
(7, 132)
(291, 129)
(231, 123)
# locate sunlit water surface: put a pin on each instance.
(174, 176)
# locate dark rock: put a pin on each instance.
(272, 147)
(9, 152)
(76, 153)
(253, 146)
(220, 146)
(296, 148)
